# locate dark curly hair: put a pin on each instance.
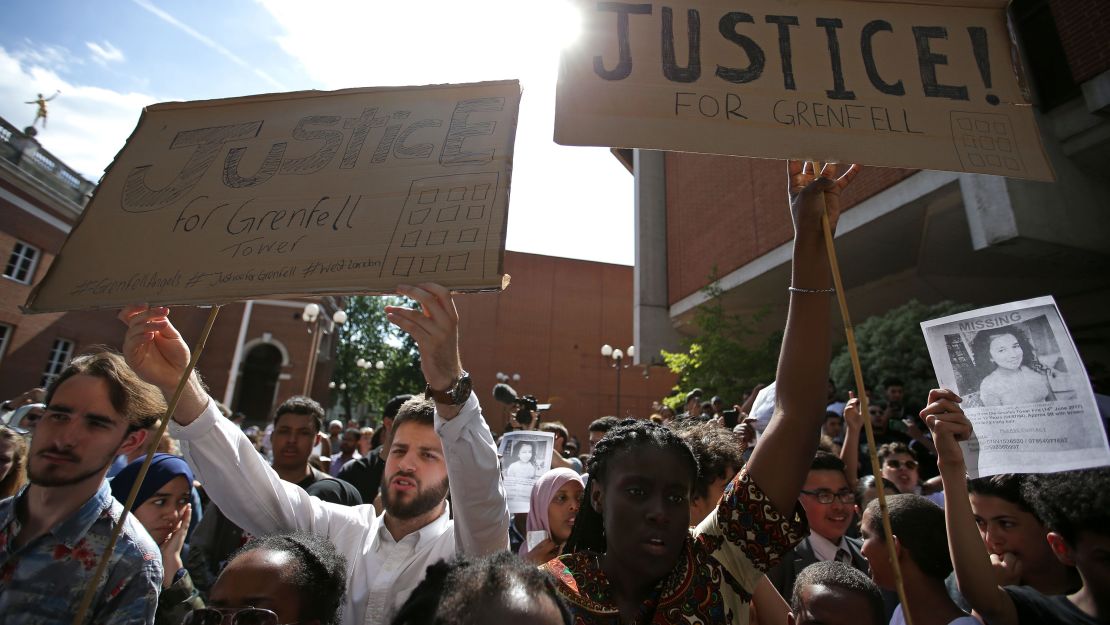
(455, 592)
(718, 451)
(320, 572)
(1071, 502)
(981, 349)
(589, 529)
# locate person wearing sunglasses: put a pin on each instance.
(829, 503)
(279, 579)
(901, 467)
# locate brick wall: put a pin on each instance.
(549, 326)
(1084, 29)
(726, 212)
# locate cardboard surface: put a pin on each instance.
(921, 85)
(351, 191)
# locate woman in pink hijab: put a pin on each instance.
(556, 497)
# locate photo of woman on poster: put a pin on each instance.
(1013, 374)
(524, 467)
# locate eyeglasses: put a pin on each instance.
(826, 496)
(898, 464)
(231, 616)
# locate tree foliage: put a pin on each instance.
(726, 358)
(891, 345)
(369, 335)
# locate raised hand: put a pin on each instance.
(812, 193)
(853, 417)
(435, 327)
(544, 551)
(948, 423)
(153, 348)
(171, 547)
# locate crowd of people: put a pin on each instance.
(766, 512)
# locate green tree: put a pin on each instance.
(369, 336)
(726, 358)
(891, 345)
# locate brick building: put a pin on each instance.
(906, 234)
(549, 327)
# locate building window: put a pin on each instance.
(5, 336)
(59, 358)
(22, 263)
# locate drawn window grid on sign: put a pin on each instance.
(985, 143)
(451, 213)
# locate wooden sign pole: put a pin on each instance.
(857, 371)
(90, 590)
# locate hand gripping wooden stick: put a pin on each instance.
(857, 371)
(90, 590)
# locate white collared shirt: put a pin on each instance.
(824, 549)
(381, 572)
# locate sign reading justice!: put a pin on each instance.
(932, 85)
(351, 191)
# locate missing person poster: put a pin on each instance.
(1023, 387)
(306, 193)
(525, 456)
(929, 84)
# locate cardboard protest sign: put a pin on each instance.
(351, 191)
(1023, 387)
(933, 85)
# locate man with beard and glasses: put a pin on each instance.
(53, 532)
(436, 447)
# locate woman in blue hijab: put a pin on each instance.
(162, 506)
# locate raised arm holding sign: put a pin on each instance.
(437, 446)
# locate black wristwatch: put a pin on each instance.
(454, 395)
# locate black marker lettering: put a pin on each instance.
(785, 22)
(927, 62)
(671, 70)
(624, 47)
(137, 197)
(756, 57)
(866, 45)
(838, 92)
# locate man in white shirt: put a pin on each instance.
(433, 445)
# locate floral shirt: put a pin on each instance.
(43, 581)
(715, 576)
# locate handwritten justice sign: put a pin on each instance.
(351, 191)
(932, 85)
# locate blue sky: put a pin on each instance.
(111, 58)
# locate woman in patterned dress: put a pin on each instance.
(631, 558)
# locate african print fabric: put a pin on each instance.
(716, 574)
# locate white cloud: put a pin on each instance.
(87, 126)
(57, 58)
(106, 53)
(566, 201)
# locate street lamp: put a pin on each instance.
(311, 316)
(617, 356)
(505, 377)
